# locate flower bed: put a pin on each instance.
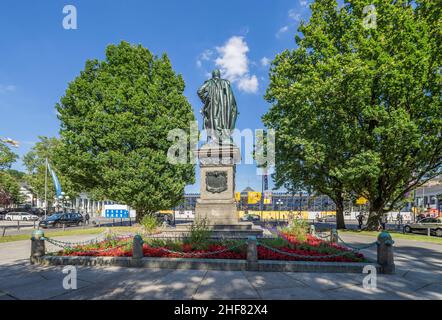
(312, 249)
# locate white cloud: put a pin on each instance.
(7, 88)
(234, 64)
(294, 15)
(204, 56)
(282, 30)
(303, 3)
(233, 58)
(248, 84)
(265, 62)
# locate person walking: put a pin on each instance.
(400, 220)
(360, 218)
(86, 218)
(384, 220)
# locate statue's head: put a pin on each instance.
(216, 74)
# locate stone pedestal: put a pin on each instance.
(217, 201)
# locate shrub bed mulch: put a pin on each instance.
(310, 247)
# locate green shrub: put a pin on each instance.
(298, 228)
(200, 233)
(150, 223)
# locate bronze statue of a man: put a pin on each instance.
(219, 111)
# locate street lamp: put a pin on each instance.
(279, 203)
(63, 198)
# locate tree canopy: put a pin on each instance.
(357, 108)
(9, 184)
(7, 157)
(115, 119)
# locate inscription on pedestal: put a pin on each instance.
(216, 181)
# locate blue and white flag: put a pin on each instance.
(55, 180)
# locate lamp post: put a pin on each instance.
(63, 198)
(279, 203)
(300, 203)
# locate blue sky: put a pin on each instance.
(39, 57)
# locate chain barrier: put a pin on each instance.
(320, 236)
(304, 256)
(77, 243)
(69, 247)
(354, 248)
(107, 249)
(194, 254)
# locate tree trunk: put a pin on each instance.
(376, 211)
(339, 202)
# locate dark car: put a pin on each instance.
(60, 219)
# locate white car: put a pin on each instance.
(20, 216)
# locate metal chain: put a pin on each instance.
(64, 247)
(321, 236)
(66, 244)
(202, 253)
(304, 256)
(107, 249)
(354, 248)
(69, 243)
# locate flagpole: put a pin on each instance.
(46, 188)
(262, 196)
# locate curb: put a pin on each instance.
(207, 264)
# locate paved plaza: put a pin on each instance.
(418, 276)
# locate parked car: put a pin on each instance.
(20, 216)
(37, 211)
(435, 224)
(329, 218)
(59, 219)
(250, 217)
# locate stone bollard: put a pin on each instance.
(312, 230)
(37, 246)
(385, 253)
(252, 254)
(137, 251)
(333, 236)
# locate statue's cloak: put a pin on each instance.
(220, 110)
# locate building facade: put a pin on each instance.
(280, 201)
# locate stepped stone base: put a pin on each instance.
(237, 230)
(217, 212)
(217, 203)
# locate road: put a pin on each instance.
(9, 228)
(418, 276)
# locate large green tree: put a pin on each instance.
(357, 105)
(115, 120)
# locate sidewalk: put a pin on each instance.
(418, 276)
